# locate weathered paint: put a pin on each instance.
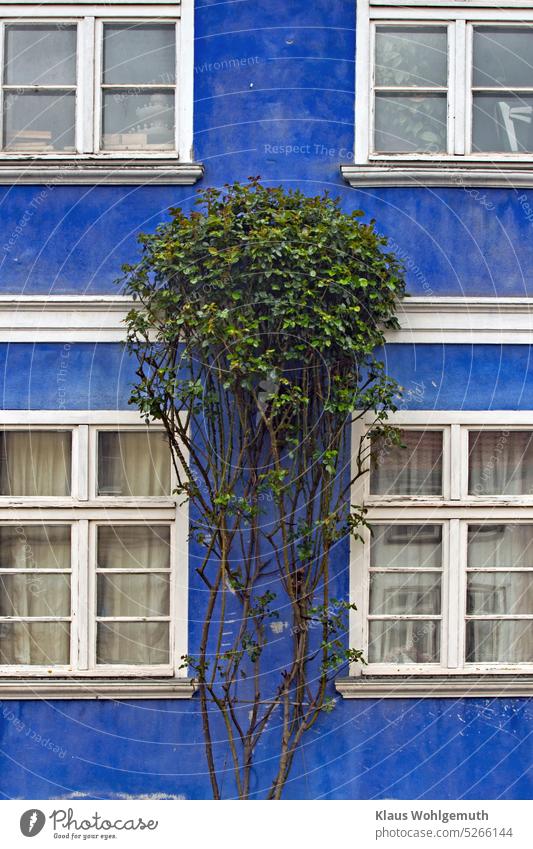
(274, 97)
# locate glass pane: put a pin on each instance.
(34, 546)
(39, 121)
(405, 641)
(35, 463)
(499, 593)
(133, 464)
(507, 641)
(133, 595)
(136, 121)
(35, 595)
(503, 56)
(36, 643)
(506, 546)
(503, 122)
(405, 593)
(408, 123)
(133, 547)
(415, 468)
(139, 54)
(40, 54)
(132, 642)
(406, 547)
(500, 462)
(408, 56)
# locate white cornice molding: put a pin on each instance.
(508, 175)
(172, 688)
(100, 318)
(104, 172)
(438, 687)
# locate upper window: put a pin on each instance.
(438, 82)
(91, 85)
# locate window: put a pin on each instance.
(104, 83)
(445, 581)
(438, 82)
(92, 572)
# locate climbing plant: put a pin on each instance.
(255, 330)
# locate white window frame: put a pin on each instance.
(458, 166)
(455, 509)
(84, 511)
(169, 166)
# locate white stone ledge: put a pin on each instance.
(508, 175)
(99, 172)
(172, 688)
(437, 687)
(100, 318)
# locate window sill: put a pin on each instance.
(97, 688)
(81, 171)
(459, 174)
(434, 687)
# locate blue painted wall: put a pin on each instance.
(274, 97)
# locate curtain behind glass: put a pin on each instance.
(412, 469)
(500, 463)
(36, 463)
(128, 594)
(34, 593)
(500, 593)
(133, 464)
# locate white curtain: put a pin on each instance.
(123, 593)
(414, 469)
(35, 463)
(501, 463)
(498, 593)
(34, 593)
(404, 593)
(133, 463)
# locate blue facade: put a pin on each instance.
(285, 112)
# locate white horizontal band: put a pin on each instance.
(100, 318)
(172, 688)
(485, 175)
(440, 687)
(139, 172)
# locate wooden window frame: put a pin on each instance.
(455, 509)
(84, 511)
(459, 166)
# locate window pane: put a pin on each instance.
(500, 593)
(409, 56)
(504, 546)
(414, 469)
(133, 547)
(40, 54)
(407, 123)
(39, 121)
(135, 121)
(507, 641)
(503, 56)
(405, 593)
(35, 595)
(500, 462)
(139, 54)
(133, 595)
(132, 642)
(36, 643)
(404, 641)
(503, 122)
(406, 547)
(35, 546)
(133, 464)
(35, 463)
